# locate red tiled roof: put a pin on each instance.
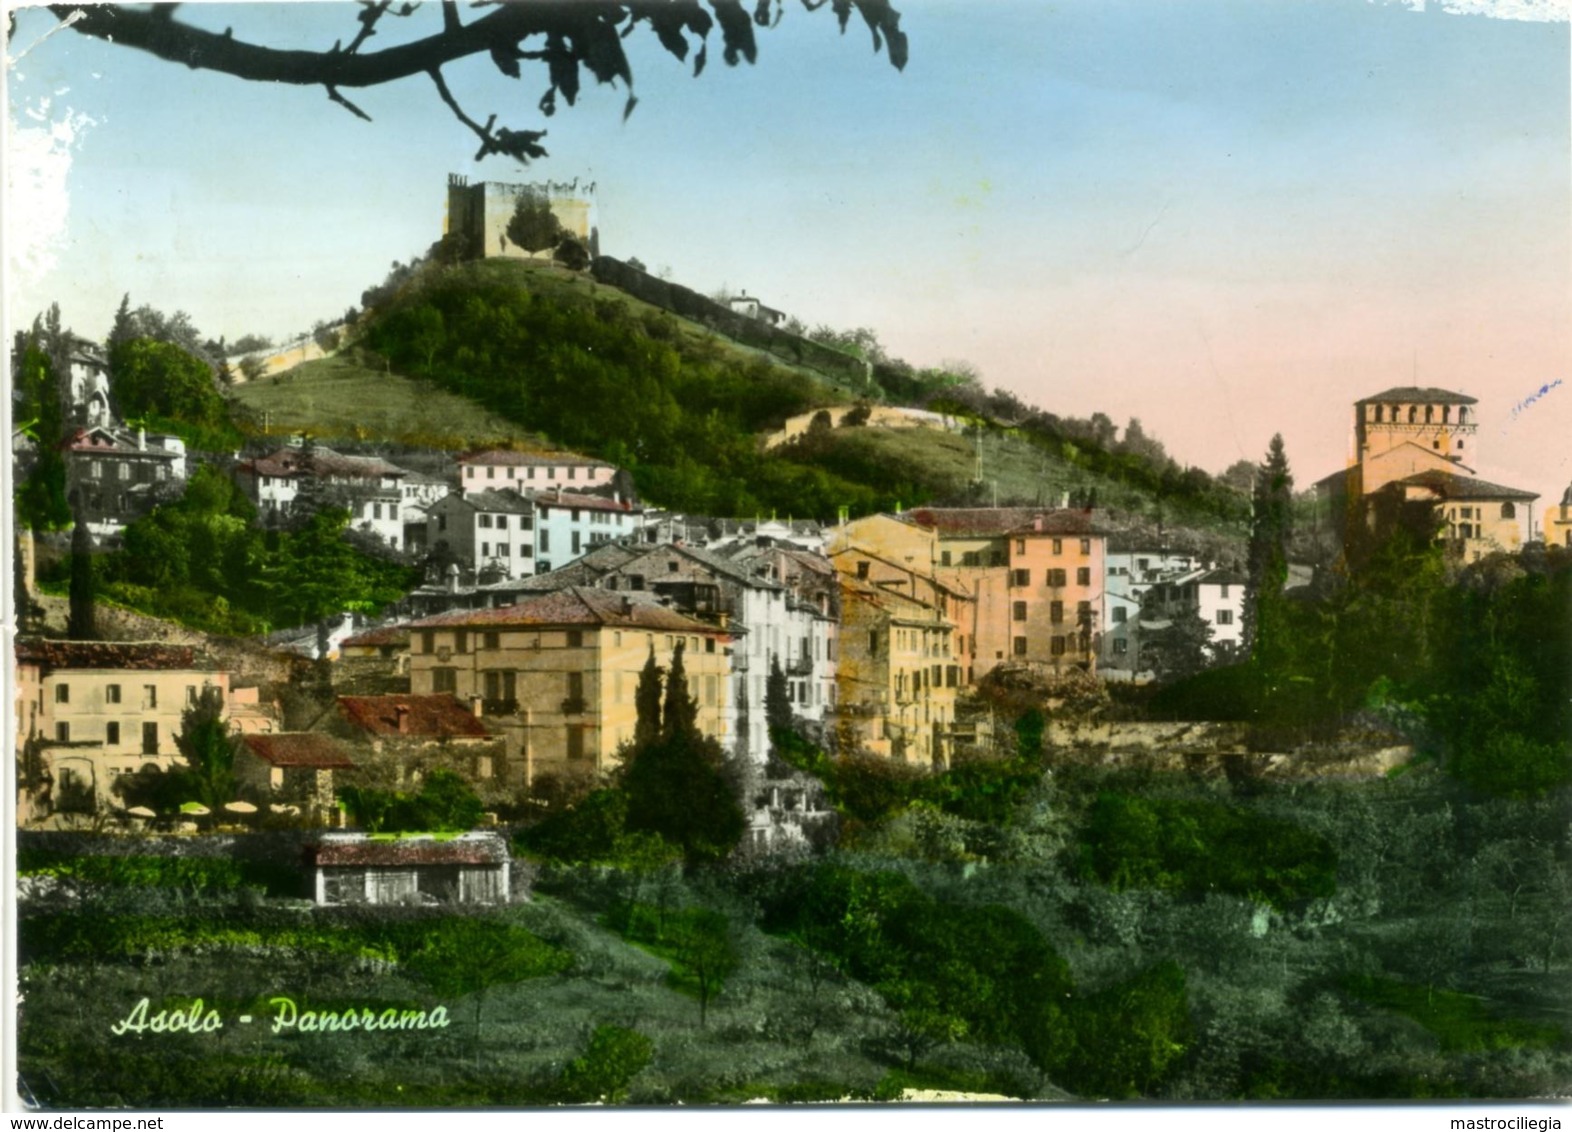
(576, 606)
(299, 749)
(1409, 394)
(503, 457)
(426, 717)
(1449, 486)
(386, 635)
(151, 656)
(465, 849)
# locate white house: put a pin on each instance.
(569, 524)
(486, 530)
(368, 486)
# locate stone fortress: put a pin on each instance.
(480, 212)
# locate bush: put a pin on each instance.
(614, 1057)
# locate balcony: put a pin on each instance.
(574, 705)
(499, 707)
(801, 666)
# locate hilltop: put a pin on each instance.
(532, 355)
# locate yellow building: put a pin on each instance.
(1558, 522)
(898, 674)
(89, 712)
(558, 674)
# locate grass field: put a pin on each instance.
(336, 399)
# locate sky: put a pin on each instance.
(1227, 218)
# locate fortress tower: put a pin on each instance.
(480, 213)
(1408, 430)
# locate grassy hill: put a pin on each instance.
(337, 398)
(486, 352)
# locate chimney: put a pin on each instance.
(401, 712)
(627, 606)
(453, 578)
(141, 440)
(1037, 523)
(1064, 499)
(475, 705)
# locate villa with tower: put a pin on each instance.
(1415, 451)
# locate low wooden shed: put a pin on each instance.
(466, 868)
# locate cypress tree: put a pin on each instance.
(682, 711)
(83, 621)
(777, 700)
(647, 702)
(1271, 525)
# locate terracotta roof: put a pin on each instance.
(996, 522)
(386, 635)
(151, 656)
(463, 849)
(298, 749)
(426, 717)
(104, 440)
(576, 605)
(555, 498)
(504, 457)
(1464, 487)
(1426, 395)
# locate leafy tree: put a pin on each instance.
(153, 378)
(704, 946)
(601, 1075)
(445, 803)
(1180, 649)
(533, 225)
(572, 254)
(582, 36)
(41, 500)
(678, 788)
(204, 742)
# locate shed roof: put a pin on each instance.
(425, 717)
(298, 749)
(362, 850)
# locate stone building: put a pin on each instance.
(1414, 461)
(478, 214)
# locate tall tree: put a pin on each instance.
(681, 715)
(777, 699)
(41, 501)
(1271, 526)
(647, 702)
(83, 624)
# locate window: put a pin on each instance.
(1020, 546)
(1058, 546)
(96, 469)
(545, 538)
(483, 521)
(62, 693)
(575, 734)
(442, 522)
(491, 640)
(862, 569)
(1056, 612)
(1018, 611)
(150, 738)
(873, 642)
(1086, 546)
(461, 641)
(112, 734)
(444, 680)
(469, 473)
(575, 638)
(63, 732)
(123, 471)
(944, 558)
(1121, 646)
(1083, 576)
(150, 695)
(1119, 614)
(575, 536)
(112, 694)
(502, 522)
(428, 641)
(1083, 613)
(191, 694)
(1055, 578)
(575, 514)
(1020, 577)
(1224, 589)
(1225, 616)
(491, 473)
(1019, 645)
(1508, 511)
(1056, 646)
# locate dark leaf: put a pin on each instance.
(600, 47)
(506, 59)
(881, 18)
(736, 31)
(564, 67)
